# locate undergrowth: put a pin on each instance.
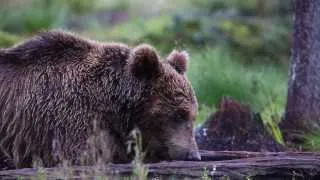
(312, 141)
(140, 170)
(98, 169)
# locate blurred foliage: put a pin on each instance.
(78, 6)
(38, 15)
(204, 112)
(120, 5)
(216, 72)
(42, 14)
(136, 31)
(7, 39)
(257, 30)
(248, 7)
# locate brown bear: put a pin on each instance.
(57, 89)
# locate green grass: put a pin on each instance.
(214, 73)
(204, 112)
(140, 170)
(312, 141)
(7, 39)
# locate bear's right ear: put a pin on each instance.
(144, 62)
(179, 61)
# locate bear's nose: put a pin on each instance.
(194, 156)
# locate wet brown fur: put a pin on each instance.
(56, 87)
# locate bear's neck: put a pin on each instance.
(127, 99)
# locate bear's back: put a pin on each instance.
(58, 61)
(56, 47)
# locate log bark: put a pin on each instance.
(235, 165)
(303, 103)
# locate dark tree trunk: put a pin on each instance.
(303, 105)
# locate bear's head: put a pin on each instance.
(167, 122)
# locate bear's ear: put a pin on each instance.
(144, 62)
(179, 61)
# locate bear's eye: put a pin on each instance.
(179, 100)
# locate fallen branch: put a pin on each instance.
(229, 155)
(232, 164)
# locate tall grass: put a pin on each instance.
(312, 141)
(215, 73)
(140, 170)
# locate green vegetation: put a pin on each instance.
(134, 31)
(313, 141)
(205, 174)
(140, 170)
(215, 73)
(38, 15)
(7, 39)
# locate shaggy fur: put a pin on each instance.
(58, 90)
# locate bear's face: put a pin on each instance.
(167, 124)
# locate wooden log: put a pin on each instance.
(242, 165)
(229, 155)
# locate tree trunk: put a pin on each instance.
(303, 105)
